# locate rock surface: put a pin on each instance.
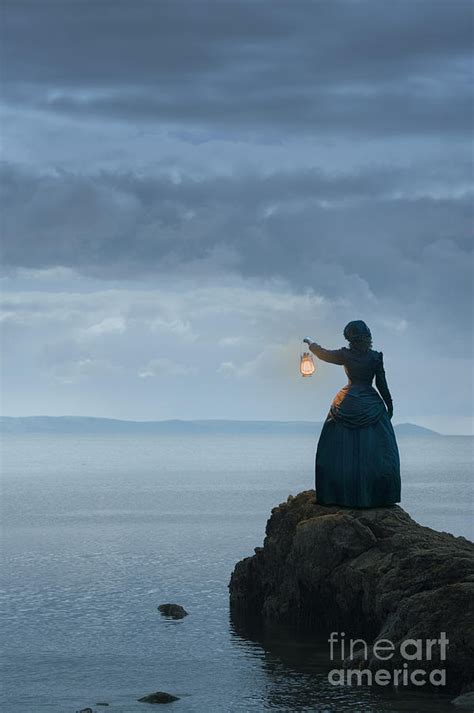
(371, 573)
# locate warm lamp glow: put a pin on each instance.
(306, 364)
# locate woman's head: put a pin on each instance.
(358, 335)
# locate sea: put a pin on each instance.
(97, 531)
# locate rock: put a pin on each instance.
(175, 611)
(466, 700)
(102, 704)
(158, 697)
(370, 573)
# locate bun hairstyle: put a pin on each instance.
(358, 335)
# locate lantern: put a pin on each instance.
(306, 364)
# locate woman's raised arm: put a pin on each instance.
(333, 356)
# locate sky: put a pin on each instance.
(191, 187)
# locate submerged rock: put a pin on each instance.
(175, 611)
(465, 701)
(370, 573)
(158, 697)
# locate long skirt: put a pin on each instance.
(358, 467)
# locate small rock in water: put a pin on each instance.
(176, 611)
(158, 697)
(102, 704)
(86, 710)
(465, 701)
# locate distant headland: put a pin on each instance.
(91, 425)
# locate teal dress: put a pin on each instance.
(357, 458)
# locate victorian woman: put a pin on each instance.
(357, 459)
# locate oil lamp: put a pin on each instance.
(306, 364)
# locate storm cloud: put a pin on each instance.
(365, 67)
(310, 154)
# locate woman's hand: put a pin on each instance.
(308, 341)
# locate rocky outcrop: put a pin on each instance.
(370, 573)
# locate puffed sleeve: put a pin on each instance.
(381, 384)
(333, 356)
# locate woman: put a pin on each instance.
(357, 459)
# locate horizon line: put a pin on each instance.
(210, 420)
(184, 420)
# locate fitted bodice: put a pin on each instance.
(360, 367)
(358, 403)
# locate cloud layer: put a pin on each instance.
(308, 162)
(347, 65)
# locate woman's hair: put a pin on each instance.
(361, 344)
(358, 335)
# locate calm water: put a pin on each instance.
(97, 531)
